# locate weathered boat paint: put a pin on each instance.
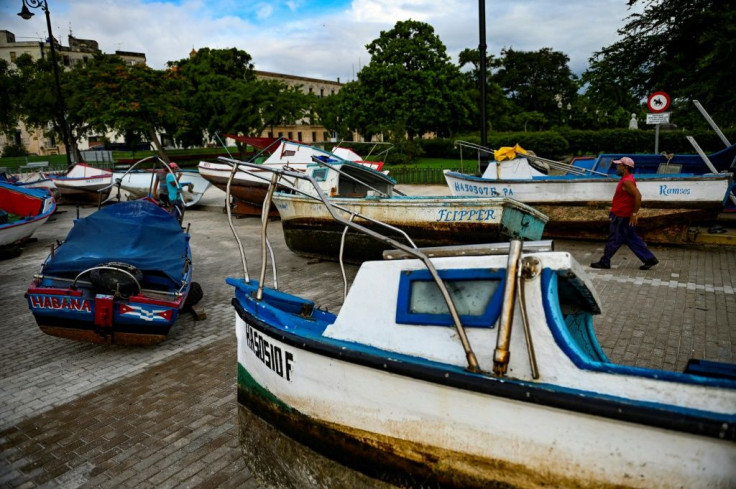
(430, 221)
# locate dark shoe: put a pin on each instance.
(600, 264)
(649, 264)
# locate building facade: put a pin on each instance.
(81, 50)
(78, 51)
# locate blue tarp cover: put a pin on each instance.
(139, 233)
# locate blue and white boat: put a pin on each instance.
(577, 202)
(470, 366)
(121, 276)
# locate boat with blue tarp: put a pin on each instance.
(122, 275)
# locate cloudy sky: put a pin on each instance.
(319, 38)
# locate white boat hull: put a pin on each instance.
(140, 184)
(578, 208)
(497, 439)
(660, 192)
(430, 221)
(83, 181)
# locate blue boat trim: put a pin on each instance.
(598, 362)
(693, 421)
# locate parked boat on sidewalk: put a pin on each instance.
(369, 197)
(122, 276)
(249, 185)
(82, 183)
(22, 211)
(578, 201)
(429, 376)
(142, 182)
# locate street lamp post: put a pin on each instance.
(26, 14)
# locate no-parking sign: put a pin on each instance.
(658, 102)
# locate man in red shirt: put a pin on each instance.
(623, 216)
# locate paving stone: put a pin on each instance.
(80, 415)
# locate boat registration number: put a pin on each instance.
(272, 356)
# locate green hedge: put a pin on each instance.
(565, 143)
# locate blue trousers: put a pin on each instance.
(621, 233)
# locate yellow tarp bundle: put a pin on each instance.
(508, 152)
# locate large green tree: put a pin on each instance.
(222, 94)
(536, 81)
(35, 99)
(683, 47)
(499, 110)
(412, 83)
(110, 95)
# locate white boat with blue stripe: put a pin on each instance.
(472, 366)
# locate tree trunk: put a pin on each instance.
(157, 144)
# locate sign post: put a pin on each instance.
(657, 103)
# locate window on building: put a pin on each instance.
(12, 56)
(281, 134)
(17, 137)
(325, 136)
(310, 90)
(270, 134)
(321, 92)
(67, 61)
(314, 136)
(290, 136)
(299, 136)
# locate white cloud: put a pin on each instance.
(303, 38)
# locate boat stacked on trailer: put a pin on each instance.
(469, 366)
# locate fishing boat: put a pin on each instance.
(249, 185)
(369, 197)
(662, 163)
(82, 183)
(122, 276)
(142, 182)
(22, 211)
(30, 179)
(577, 201)
(470, 366)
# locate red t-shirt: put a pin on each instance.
(623, 202)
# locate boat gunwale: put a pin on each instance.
(688, 420)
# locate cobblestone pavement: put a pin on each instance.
(80, 415)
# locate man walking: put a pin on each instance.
(623, 216)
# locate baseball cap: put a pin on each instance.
(624, 161)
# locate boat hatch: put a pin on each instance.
(477, 294)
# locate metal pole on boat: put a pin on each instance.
(230, 223)
(264, 225)
(712, 123)
(501, 354)
(528, 270)
(483, 163)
